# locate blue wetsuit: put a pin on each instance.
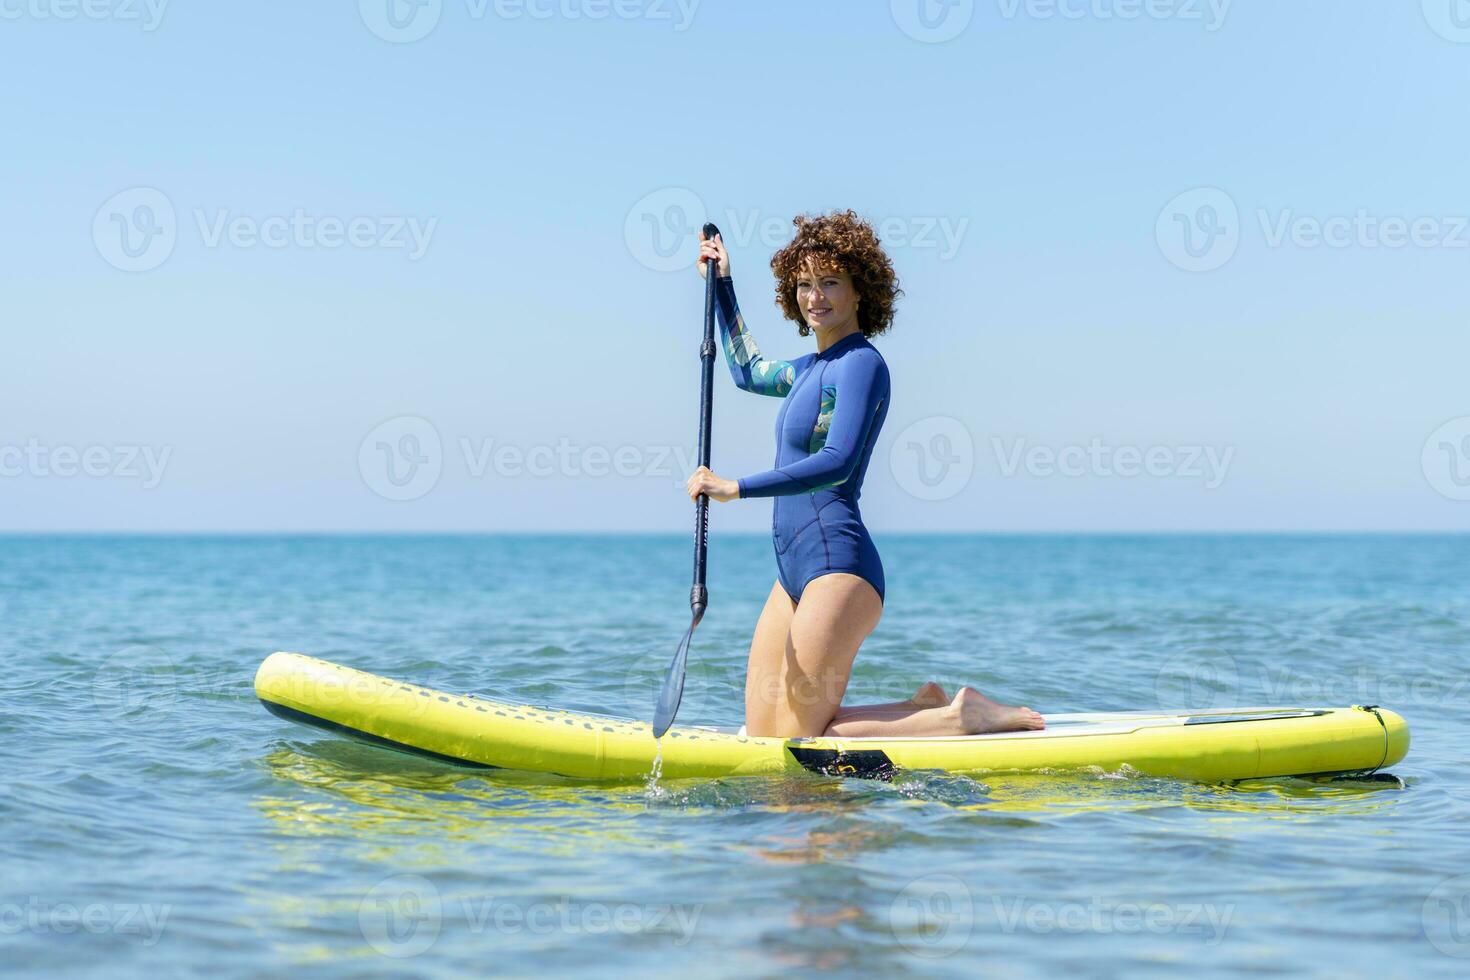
(835, 404)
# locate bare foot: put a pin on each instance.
(929, 695)
(979, 715)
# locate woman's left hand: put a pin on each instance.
(703, 480)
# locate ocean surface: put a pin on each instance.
(158, 822)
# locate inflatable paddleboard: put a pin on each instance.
(1209, 746)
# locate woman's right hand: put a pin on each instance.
(713, 250)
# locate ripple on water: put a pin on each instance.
(140, 769)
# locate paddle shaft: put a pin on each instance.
(699, 594)
(673, 689)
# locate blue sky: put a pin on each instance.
(1169, 266)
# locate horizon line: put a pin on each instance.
(1018, 532)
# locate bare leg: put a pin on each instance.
(801, 659)
(929, 695)
(794, 685)
(970, 713)
(767, 653)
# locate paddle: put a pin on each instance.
(673, 691)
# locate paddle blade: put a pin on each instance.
(673, 692)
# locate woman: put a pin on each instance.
(834, 281)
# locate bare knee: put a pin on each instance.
(797, 705)
(792, 726)
(796, 693)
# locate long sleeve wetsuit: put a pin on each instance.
(833, 409)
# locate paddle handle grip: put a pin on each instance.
(699, 595)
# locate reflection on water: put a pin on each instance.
(1276, 798)
(365, 792)
(831, 874)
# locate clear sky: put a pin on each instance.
(1169, 265)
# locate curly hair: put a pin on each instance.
(843, 241)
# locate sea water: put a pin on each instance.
(157, 821)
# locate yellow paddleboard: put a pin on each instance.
(1210, 746)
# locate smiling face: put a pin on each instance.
(826, 298)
